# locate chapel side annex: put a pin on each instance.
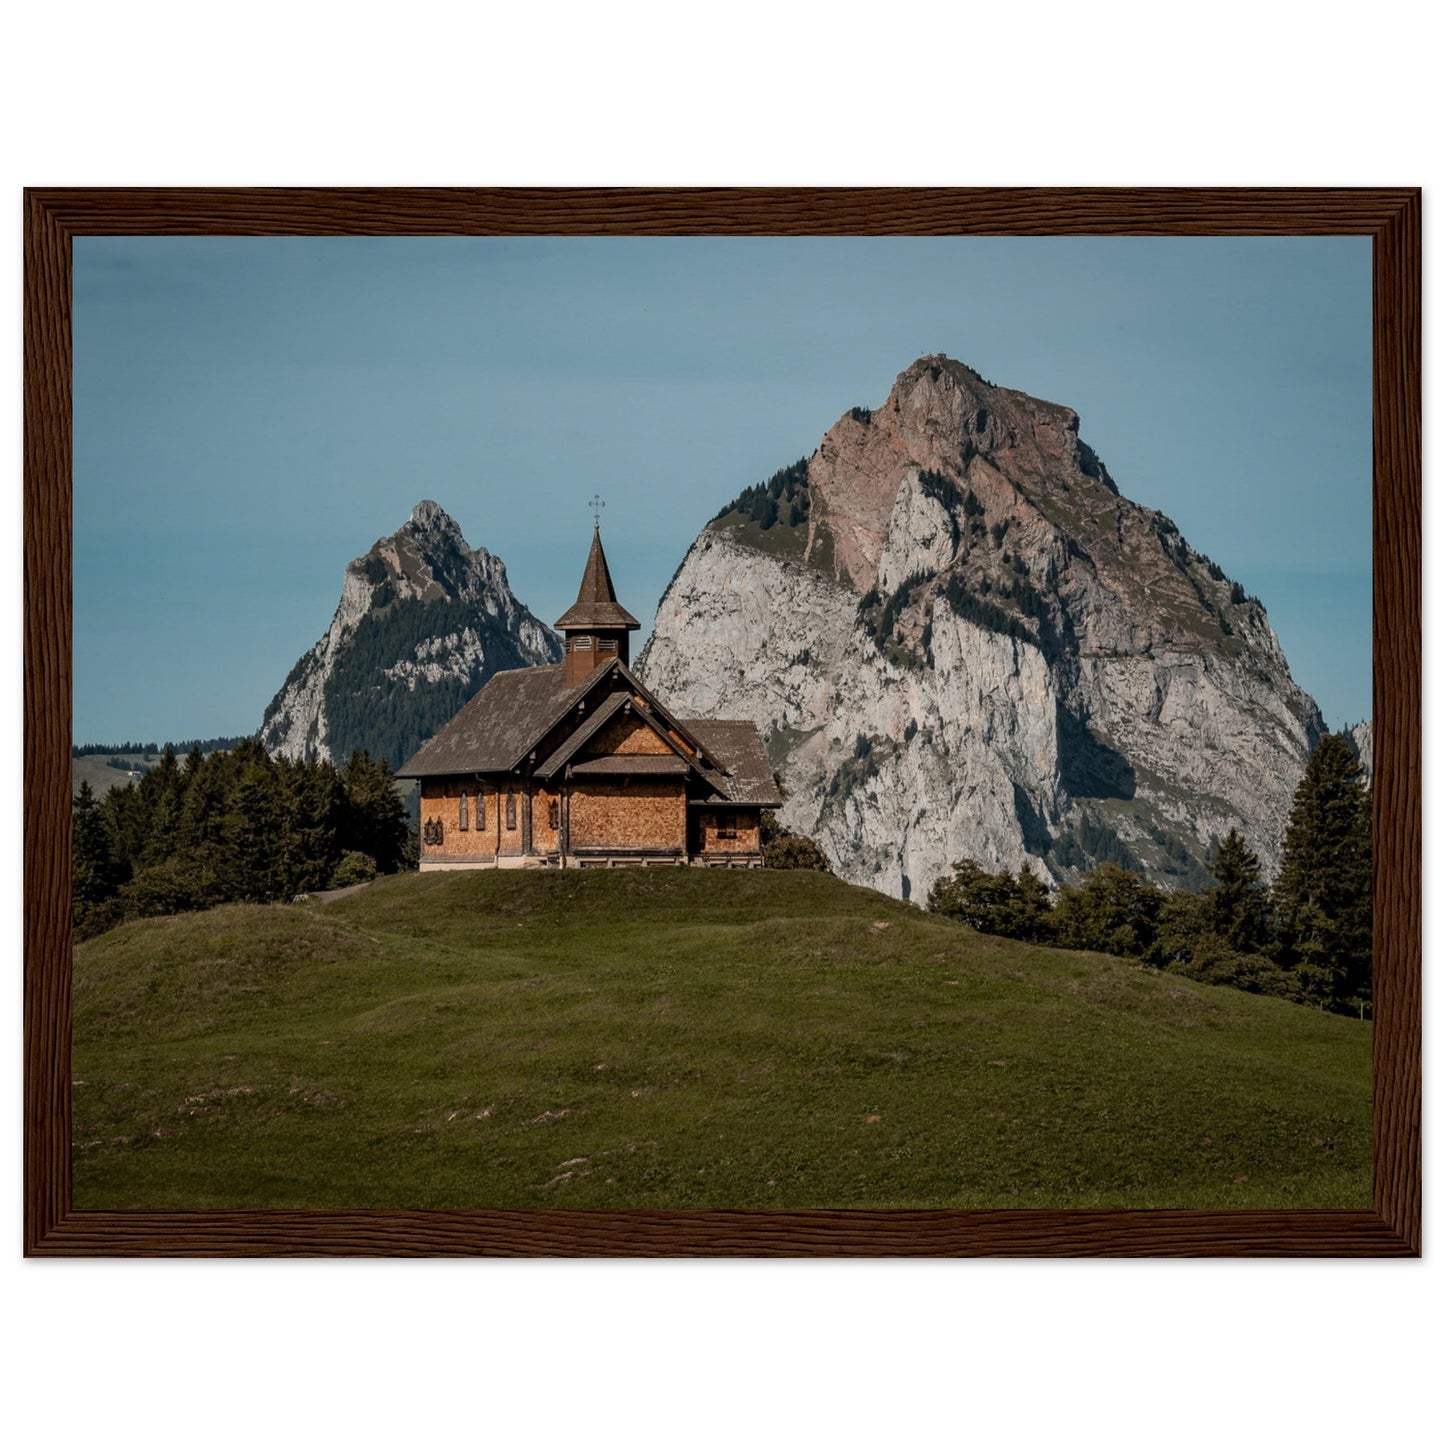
(578, 765)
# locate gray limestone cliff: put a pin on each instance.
(960, 641)
(1362, 736)
(424, 620)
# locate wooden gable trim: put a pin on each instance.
(688, 739)
(681, 738)
(712, 773)
(645, 713)
(588, 730)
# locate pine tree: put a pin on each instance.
(164, 789)
(375, 817)
(252, 835)
(1238, 903)
(93, 872)
(315, 801)
(1323, 893)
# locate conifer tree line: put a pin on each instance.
(152, 750)
(1307, 938)
(227, 827)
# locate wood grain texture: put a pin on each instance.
(47, 570)
(1391, 216)
(1397, 633)
(682, 211)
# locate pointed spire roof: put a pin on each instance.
(596, 605)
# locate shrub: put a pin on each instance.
(795, 851)
(175, 885)
(353, 868)
(783, 848)
(1250, 972)
(1112, 911)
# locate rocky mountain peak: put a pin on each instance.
(429, 516)
(962, 641)
(420, 611)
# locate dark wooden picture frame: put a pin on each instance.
(1391, 217)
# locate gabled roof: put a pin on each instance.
(596, 604)
(653, 705)
(666, 728)
(516, 710)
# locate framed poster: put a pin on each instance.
(57, 220)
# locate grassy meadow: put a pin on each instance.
(683, 1039)
(96, 770)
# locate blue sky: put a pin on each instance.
(250, 414)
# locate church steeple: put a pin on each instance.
(596, 625)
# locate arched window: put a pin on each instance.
(511, 810)
(481, 810)
(462, 811)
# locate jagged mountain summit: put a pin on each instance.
(424, 620)
(960, 640)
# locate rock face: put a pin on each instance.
(424, 620)
(1362, 735)
(961, 641)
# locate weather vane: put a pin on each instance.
(597, 505)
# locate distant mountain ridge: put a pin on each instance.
(423, 621)
(961, 641)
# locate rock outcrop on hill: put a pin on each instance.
(424, 620)
(961, 641)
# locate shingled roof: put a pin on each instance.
(499, 724)
(738, 746)
(596, 604)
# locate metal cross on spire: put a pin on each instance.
(597, 505)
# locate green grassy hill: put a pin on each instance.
(683, 1038)
(96, 770)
